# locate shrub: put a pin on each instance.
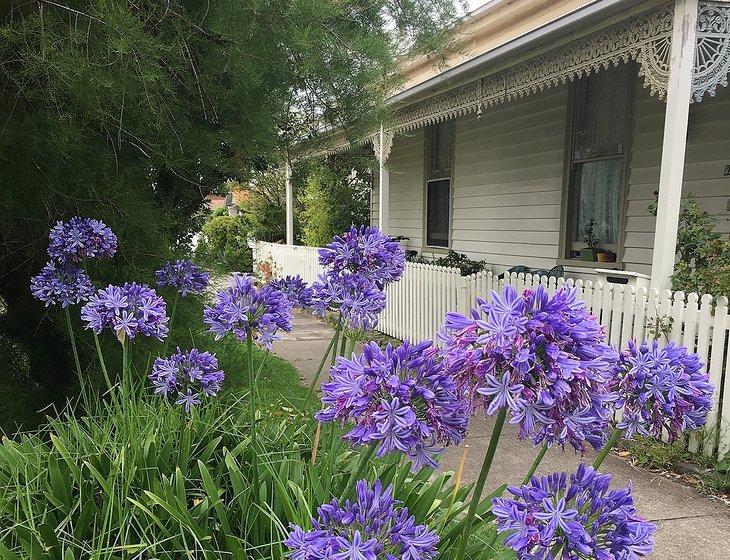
(452, 259)
(703, 263)
(224, 244)
(334, 197)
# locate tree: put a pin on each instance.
(133, 111)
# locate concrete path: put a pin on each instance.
(691, 527)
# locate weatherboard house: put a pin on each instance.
(554, 116)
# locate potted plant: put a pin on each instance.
(590, 252)
(607, 256)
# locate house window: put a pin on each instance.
(598, 157)
(439, 160)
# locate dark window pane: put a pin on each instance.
(597, 197)
(437, 213)
(440, 139)
(600, 116)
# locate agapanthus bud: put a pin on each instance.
(61, 284)
(543, 358)
(130, 310)
(373, 527)
(553, 518)
(187, 376)
(242, 308)
(184, 276)
(662, 389)
(79, 239)
(400, 399)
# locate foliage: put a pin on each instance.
(454, 259)
(336, 195)
(131, 112)
(264, 206)
(224, 244)
(703, 264)
(589, 234)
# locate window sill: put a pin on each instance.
(577, 263)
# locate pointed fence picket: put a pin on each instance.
(416, 307)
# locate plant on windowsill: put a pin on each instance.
(590, 251)
(606, 256)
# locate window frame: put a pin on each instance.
(425, 247)
(568, 213)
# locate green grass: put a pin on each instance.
(649, 453)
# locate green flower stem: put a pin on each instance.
(101, 361)
(169, 324)
(126, 381)
(350, 347)
(616, 435)
(343, 344)
(535, 464)
(479, 488)
(362, 464)
(330, 348)
(252, 404)
(73, 343)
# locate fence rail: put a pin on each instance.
(417, 305)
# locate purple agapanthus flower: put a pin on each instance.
(553, 518)
(186, 277)
(367, 252)
(358, 300)
(400, 399)
(294, 288)
(130, 310)
(662, 389)
(79, 239)
(543, 358)
(187, 376)
(61, 284)
(243, 308)
(373, 527)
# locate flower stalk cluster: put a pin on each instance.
(554, 517)
(399, 399)
(372, 527)
(188, 376)
(184, 276)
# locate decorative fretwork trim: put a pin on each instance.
(712, 54)
(388, 135)
(644, 38)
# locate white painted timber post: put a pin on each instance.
(382, 151)
(679, 86)
(289, 204)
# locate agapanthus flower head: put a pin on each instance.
(541, 357)
(372, 527)
(365, 251)
(242, 308)
(554, 517)
(662, 388)
(401, 399)
(187, 376)
(61, 284)
(358, 300)
(294, 288)
(129, 310)
(79, 239)
(186, 277)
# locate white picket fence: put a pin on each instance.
(418, 302)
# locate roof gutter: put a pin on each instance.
(564, 24)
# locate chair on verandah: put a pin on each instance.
(519, 269)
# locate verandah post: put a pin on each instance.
(679, 88)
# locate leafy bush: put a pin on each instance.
(703, 264)
(224, 244)
(452, 259)
(334, 198)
